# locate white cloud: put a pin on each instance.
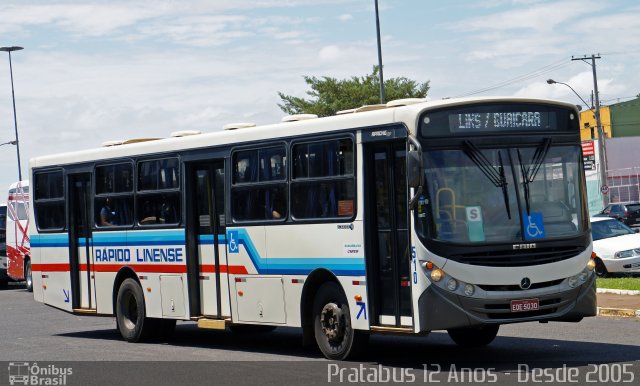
(345, 17)
(539, 17)
(329, 53)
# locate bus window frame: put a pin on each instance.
(260, 184)
(132, 193)
(354, 176)
(137, 192)
(45, 201)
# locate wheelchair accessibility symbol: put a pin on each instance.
(533, 226)
(232, 242)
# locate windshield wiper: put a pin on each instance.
(529, 173)
(496, 177)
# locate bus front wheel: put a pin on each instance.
(28, 276)
(332, 324)
(131, 316)
(601, 269)
(474, 336)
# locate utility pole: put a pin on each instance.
(379, 56)
(602, 155)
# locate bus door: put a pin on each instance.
(387, 236)
(206, 248)
(81, 261)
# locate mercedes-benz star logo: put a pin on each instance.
(525, 283)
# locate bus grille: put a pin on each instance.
(518, 258)
(545, 284)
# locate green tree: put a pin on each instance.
(329, 95)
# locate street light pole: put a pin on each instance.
(13, 96)
(602, 157)
(379, 57)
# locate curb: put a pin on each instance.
(617, 291)
(619, 312)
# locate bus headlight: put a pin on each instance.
(591, 264)
(573, 281)
(584, 275)
(452, 284)
(437, 275)
(469, 289)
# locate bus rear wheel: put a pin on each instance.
(28, 276)
(474, 336)
(131, 316)
(332, 324)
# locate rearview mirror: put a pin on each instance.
(414, 168)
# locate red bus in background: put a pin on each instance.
(18, 244)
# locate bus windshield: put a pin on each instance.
(507, 194)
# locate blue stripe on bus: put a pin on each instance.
(285, 266)
(50, 241)
(112, 239)
(299, 266)
(208, 239)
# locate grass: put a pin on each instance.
(625, 283)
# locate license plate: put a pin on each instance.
(525, 305)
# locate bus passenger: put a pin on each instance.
(107, 216)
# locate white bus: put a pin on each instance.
(457, 215)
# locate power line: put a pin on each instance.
(618, 98)
(533, 74)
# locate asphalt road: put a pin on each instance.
(599, 349)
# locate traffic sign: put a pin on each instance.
(604, 189)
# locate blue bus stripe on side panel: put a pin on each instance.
(300, 265)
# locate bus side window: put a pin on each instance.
(259, 184)
(322, 184)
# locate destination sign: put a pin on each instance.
(499, 121)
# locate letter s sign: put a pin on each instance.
(474, 213)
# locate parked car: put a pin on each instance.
(616, 245)
(627, 212)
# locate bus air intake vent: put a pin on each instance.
(185, 133)
(238, 125)
(112, 143)
(405, 102)
(519, 258)
(138, 140)
(299, 117)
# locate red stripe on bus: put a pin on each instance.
(141, 268)
(231, 269)
(61, 267)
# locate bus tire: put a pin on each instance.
(600, 269)
(28, 275)
(474, 336)
(332, 324)
(131, 316)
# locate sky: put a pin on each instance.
(94, 71)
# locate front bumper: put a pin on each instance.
(628, 264)
(442, 310)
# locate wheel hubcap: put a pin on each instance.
(332, 321)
